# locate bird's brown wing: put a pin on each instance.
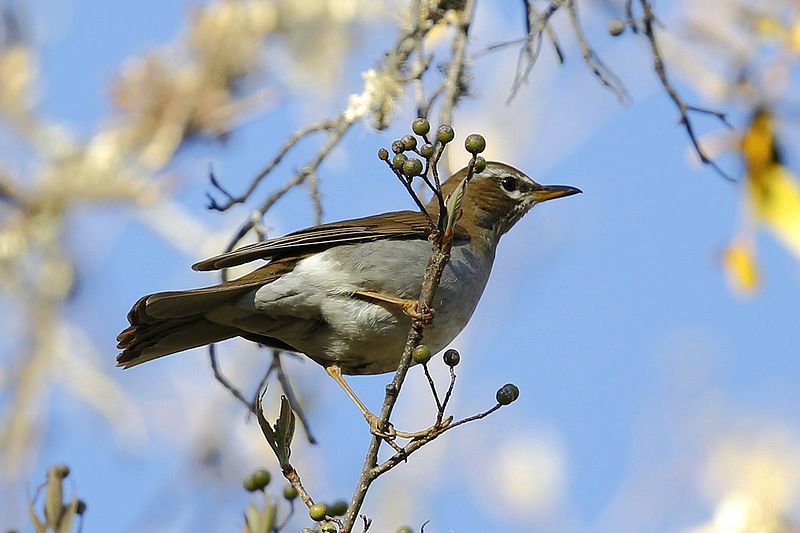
(395, 225)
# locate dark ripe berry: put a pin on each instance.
(507, 394)
(258, 480)
(80, 507)
(475, 143)
(289, 492)
(398, 147)
(383, 154)
(412, 167)
(338, 508)
(426, 150)
(451, 357)
(409, 142)
(421, 126)
(616, 27)
(398, 161)
(318, 511)
(445, 134)
(421, 354)
(480, 165)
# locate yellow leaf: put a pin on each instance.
(740, 266)
(758, 143)
(775, 198)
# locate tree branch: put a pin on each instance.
(648, 19)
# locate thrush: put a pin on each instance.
(343, 293)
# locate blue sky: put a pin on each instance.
(609, 310)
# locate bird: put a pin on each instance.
(344, 293)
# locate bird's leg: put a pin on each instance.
(410, 307)
(373, 420)
(335, 372)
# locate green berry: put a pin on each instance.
(507, 394)
(409, 142)
(398, 147)
(318, 512)
(80, 508)
(421, 126)
(475, 143)
(480, 165)
(258, 480)
(339, 508)
(398, 161)
(451, 357)
(445, 134)
(289, 492)
(327, 527)
(426, 150)
(421, 354)
(404, 529)
(383, 154)
(616, 27)
(412, 167)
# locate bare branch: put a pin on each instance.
(220, 377)
(416, 444)
(455, 71)
(536, 22)
(288, 390)
(316, 199)
(325, 125)
(442, 243)
(610, 80)
(648, 20)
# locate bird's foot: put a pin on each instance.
(390, 433)
(418, 313)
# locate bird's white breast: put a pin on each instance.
(312, 308)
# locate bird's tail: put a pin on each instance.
(170, 322)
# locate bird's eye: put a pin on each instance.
(509, 183)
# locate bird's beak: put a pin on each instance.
(551, 192)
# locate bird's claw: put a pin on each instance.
(390, 433)
(418, 313)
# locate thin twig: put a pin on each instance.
(447, 395)
(277, 367)
(316, 199)
(433, 387)
(293, 478)
(416, 444)
(219, 376)
(648, 19)
(454, 83)
(287, 517)
(534, 34)
(407, 183)
(334, 137)
(291, 397)
(325, 125)
(598, 68)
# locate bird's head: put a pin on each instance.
(500, 195)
